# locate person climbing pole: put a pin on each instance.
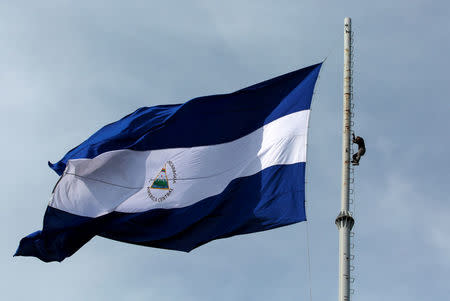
(361, 149)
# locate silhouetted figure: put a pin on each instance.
(361, 149)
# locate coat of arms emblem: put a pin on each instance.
(161, 181)
(162, 185)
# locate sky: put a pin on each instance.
(70, 67)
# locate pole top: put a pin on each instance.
(348, 25)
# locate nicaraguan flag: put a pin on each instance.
(178, 176)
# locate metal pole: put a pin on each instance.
(345, 221)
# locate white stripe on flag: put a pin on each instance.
(122, 180)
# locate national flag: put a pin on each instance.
(178, 176)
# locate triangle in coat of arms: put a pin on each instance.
(161, 181)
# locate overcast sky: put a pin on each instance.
(69, 67)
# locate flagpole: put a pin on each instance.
(345, 221)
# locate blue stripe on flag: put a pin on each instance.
(269, 199)
(202, 121)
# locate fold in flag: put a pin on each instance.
(178, 176)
